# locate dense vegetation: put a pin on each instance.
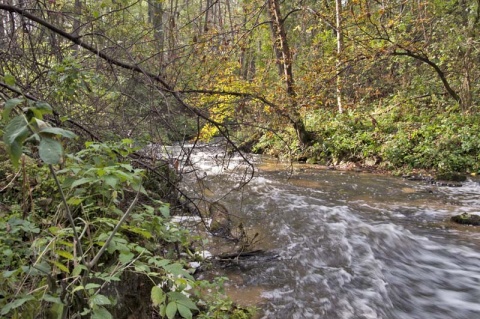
(86, 84)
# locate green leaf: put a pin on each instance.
(182, 299)
(56, 310)
(15, 304)
(74, 201)
(157, 295)
(175, 269)
(15, 151)
(101, 313)
(92, 286)
(61, 266)
(125, 258)
(128, 167)
(171, 310)
(111, 180)
(9, 105)
(41, 124)
(184, 311)
(78, 270)
(43, 267)
(141, 267)
(165, 210)
(58, 131)
(161, 310)
(100, 300)
(158, 262)
(50, 298)
(9, 273)
(78, 288)
(34, 139)
(50, 151)
(82, 181)
(138, 187)
(64, 254)
(9, 79)
(16, 130)
(137, 230)
(41, 108)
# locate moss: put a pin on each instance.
(466, 219)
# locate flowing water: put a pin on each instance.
(353, 245)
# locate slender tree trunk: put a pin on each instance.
(338, 13)
(207, 16)
(156, 13)
(76, 22)
(3, 24)
(466, 95)
(284, 63)
(230, 20)
(281, 47)
(171, 33)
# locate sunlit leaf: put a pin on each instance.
(157, 295)
(61, 266)
(40, 109)
(64, 254)
(9, 79)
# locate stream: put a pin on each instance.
(350, 245)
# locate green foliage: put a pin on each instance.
(447, 142)
(48, 269)
(28, 126)
(403, 137)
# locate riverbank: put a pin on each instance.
(398, 140)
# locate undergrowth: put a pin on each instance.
(81, 237)
(401, 138)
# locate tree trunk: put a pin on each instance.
(284, 63)
(338, 13)
(207, 16)
(76, 23)
(156, 13)
(3, 27)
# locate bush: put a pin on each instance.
(402, 136)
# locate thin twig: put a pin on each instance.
(114, 231)
(69, 215)
(9, 183)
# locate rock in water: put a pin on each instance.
(466, 219)
(451, 177)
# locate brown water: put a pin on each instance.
(353, 245)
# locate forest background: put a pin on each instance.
(387, 83)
